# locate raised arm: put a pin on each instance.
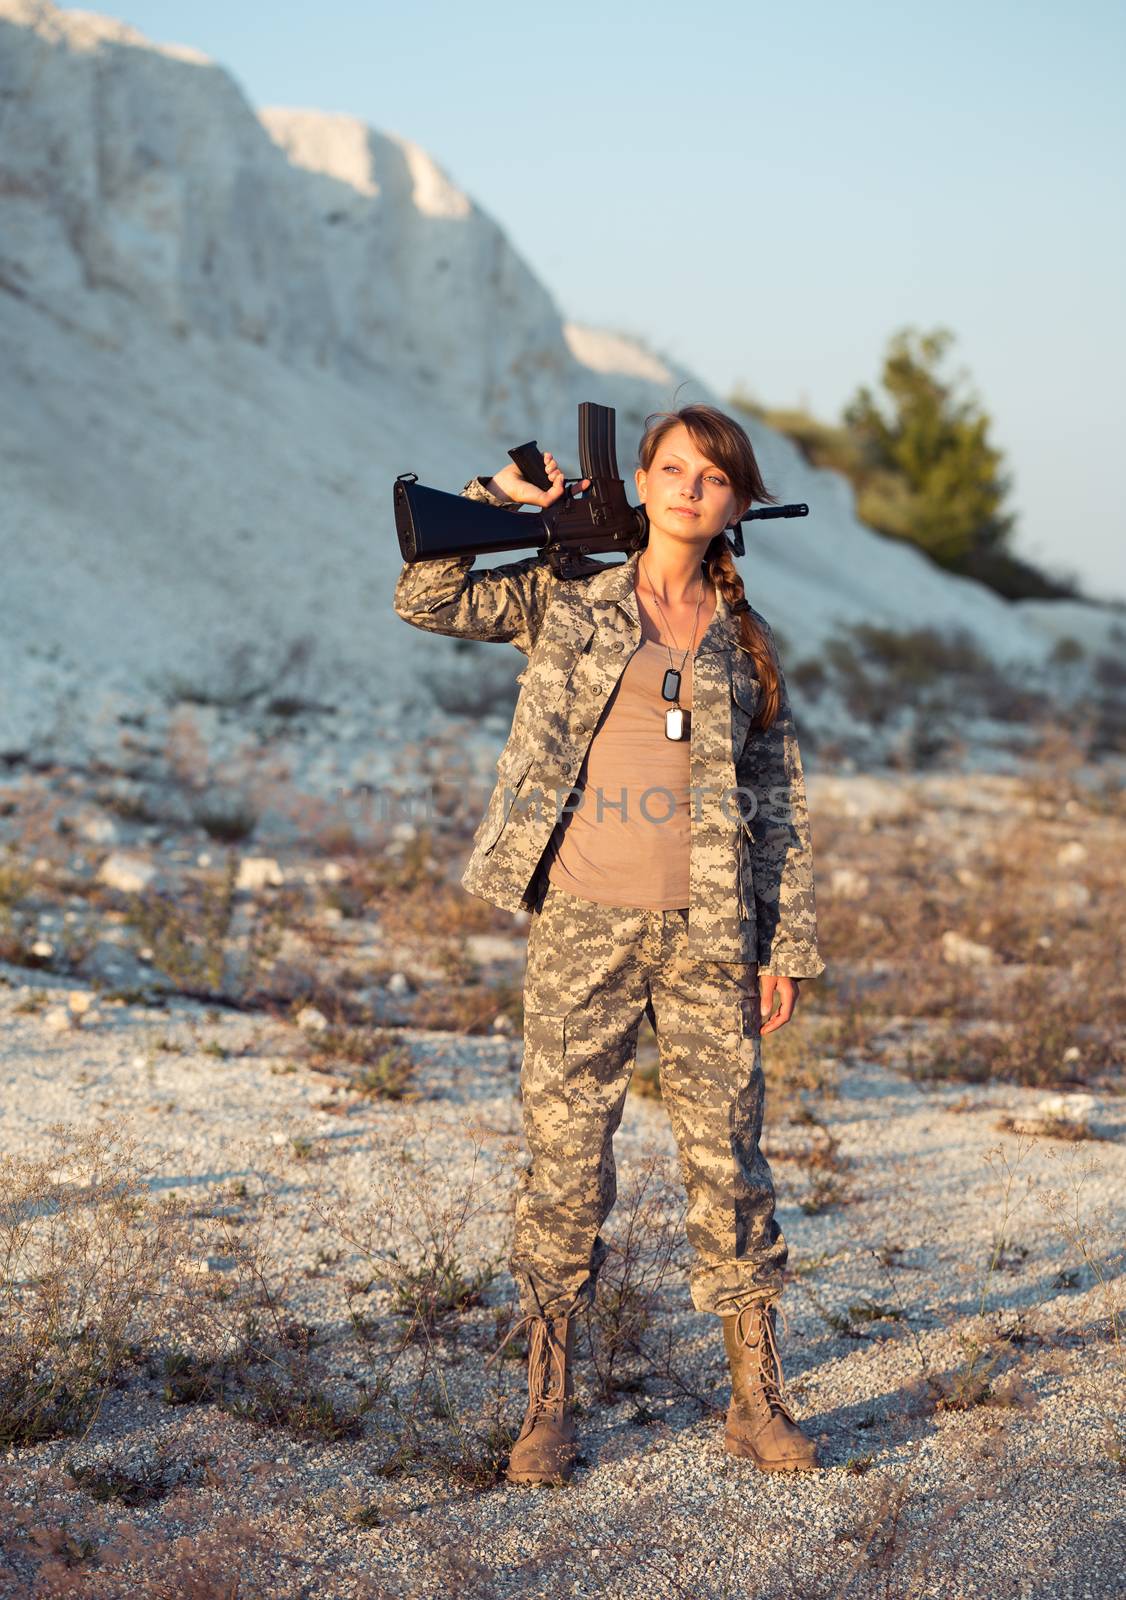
(781, 844)
(503, 605)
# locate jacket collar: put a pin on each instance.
(616, 585)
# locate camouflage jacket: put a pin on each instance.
(750, 867)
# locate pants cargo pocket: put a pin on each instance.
(543, 1035)
(541, 1075)
(751, 1020)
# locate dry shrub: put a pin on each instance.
(1093, 1236)
(402, 879)
(372, 1061)
(90, 1264)
(406, 1235)
(436, 908)
(1047, 1005)
(644, 1249)
(471, 1009)
(987, 1370)
(801, 1061)
(210, 938)
(881, 671)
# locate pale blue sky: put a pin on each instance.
(766, 193)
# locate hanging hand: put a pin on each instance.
(785, 990)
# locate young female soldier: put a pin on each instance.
(650, 814)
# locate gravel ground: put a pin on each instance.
(1021, 1496)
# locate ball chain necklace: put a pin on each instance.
(677, 719)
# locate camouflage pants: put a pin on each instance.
(592, 971)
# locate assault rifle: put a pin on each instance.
(431, 523)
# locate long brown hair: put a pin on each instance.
(725, 443)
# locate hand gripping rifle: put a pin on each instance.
(431, 524)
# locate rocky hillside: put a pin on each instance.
(223, 332)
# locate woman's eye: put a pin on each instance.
(672, 468)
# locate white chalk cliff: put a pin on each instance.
(223, 332)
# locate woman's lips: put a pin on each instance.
(682, 513)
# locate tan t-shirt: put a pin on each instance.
(628, 843)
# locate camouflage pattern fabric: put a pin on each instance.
(592, 971)
(751, 895)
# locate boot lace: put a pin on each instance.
(757, 1332)
(545, 1387)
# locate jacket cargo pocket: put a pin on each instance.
(505, 796)
(744, 868)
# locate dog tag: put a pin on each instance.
(676, 723)
(670, 688)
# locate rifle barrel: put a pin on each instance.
(777, 511)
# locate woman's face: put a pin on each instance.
(681, 480)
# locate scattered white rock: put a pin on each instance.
(502, 1024)
(1072, 896)
(398, 985)
(1071, 854)
(332, 872)
(404, 832)
(128, 871)
(43, 948)
(98, 829)
(259, 872)
(79, 1009)
(1079, 1108)
(846, 883)
(962, 952)
(310, 1020)
(487, 947)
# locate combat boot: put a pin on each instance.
(759, 1422)
(545, 1448)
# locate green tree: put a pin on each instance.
(925, 468)
(922, 466)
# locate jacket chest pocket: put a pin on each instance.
(563, 643)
